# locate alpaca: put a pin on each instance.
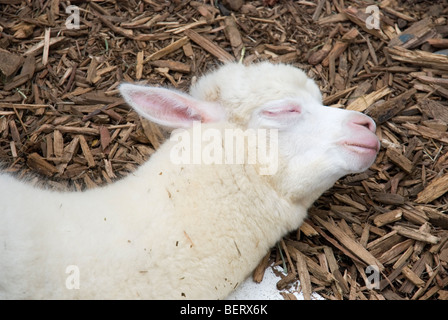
(180, 228)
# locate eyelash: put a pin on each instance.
(292, 109)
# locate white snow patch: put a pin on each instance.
(267, 289)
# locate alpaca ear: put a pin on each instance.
(169, 107)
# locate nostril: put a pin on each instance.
(366, 124)
(364, 121)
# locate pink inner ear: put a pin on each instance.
(283, 110)
(163, 107)
(169, 107)
(184, 114)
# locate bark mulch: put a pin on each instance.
(63, 123)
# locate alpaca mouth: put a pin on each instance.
(362, 148)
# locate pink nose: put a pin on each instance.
(361, 120)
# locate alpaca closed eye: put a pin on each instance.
(279, 111)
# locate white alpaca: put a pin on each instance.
(173, 231)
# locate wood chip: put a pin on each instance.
(388, 217)
(209, 46)
(36, 162)
(233, 34)
(171, 65)
(36, 49)
(420, 58)
(46, 47)
(308, 230)
(168, 49)
(362, 103)
(359, 17)
(304, 275)
(9, 62)
(340, 46)
(388, 198)
(434, 190)
(258, 273)
(86, 151)
(438, 43)
(390, 255)
(413, 34)
(139, 67)
(385, 111)
(352, 245)
(416, 235)
(400, 160)
(411, 276)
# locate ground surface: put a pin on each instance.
(61, 116)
